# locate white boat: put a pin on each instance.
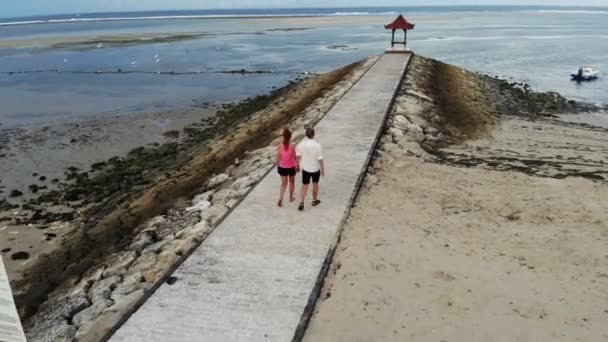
(585, 73)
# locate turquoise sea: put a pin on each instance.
(78, 66)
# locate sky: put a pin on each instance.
(18, 8)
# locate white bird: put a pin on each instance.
(133, 63)
(99, 45)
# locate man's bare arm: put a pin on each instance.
(322, 163)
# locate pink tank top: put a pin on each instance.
(286, 159)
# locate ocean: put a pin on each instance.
(76, 67)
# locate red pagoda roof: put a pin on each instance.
(399, 24)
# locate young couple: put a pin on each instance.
(308, 157)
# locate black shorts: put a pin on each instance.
(287, 172)
(306, 176)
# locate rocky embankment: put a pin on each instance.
(444, 113)
(483, 208)
(140, 243)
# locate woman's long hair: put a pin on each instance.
(286, 137)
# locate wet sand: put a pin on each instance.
(27, 154)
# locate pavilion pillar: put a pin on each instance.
(393, 39)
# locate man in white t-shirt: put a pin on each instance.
(309, 155)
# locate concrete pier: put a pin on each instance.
(256, 276)
(10, 325)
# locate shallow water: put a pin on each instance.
(540, 46)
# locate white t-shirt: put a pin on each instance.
(310, 153)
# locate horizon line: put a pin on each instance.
(296, 8)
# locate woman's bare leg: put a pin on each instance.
(283, 188)
(292, 188)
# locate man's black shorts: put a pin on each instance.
(287, 171)
(306, 176)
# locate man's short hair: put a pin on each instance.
(310, 132)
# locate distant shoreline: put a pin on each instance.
(282, 13)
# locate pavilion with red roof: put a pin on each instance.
(399, 24)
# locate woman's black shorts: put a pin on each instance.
(287, 172)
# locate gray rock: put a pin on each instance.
(372, 180)
(161, 225)
(419, 95)
(196, 233)
(59, 213)
(213, 214)
(241, 192)
(200, 206)
(243, 182)
(144, 262)
(103, 288)
(157, 247)
(223, 196)
(203, 197)
(110, 317)
(86, 317)
(143, 240)
(119, 263)
(59, 331)
(93, 274)
(231, 203)
(390, 148)
(50, 323)
(218, 180)
(129, 285)
(66, 307)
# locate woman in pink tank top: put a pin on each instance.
(286, 165)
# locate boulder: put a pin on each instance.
(119, 263)
(59, 213)
(157, 247)
(110, 317)
(243, 182)
(129, 285)
(143, 240)
(419, 95)
(102, 289)
(241, 192)
(196, 233)
(206, 196)
(223, 196)
(394, 132)
(86, 317)
(93, 274)
(213, 214)
(145, 262)
(200, 206)
(230, 204)
(165, 260)
(218, 180)
(372, 180)
(59, 331)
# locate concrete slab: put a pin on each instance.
(10, 325)
(253, 278)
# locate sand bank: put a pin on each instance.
(491, 227)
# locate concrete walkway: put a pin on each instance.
(254, 276)
(10, 325)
